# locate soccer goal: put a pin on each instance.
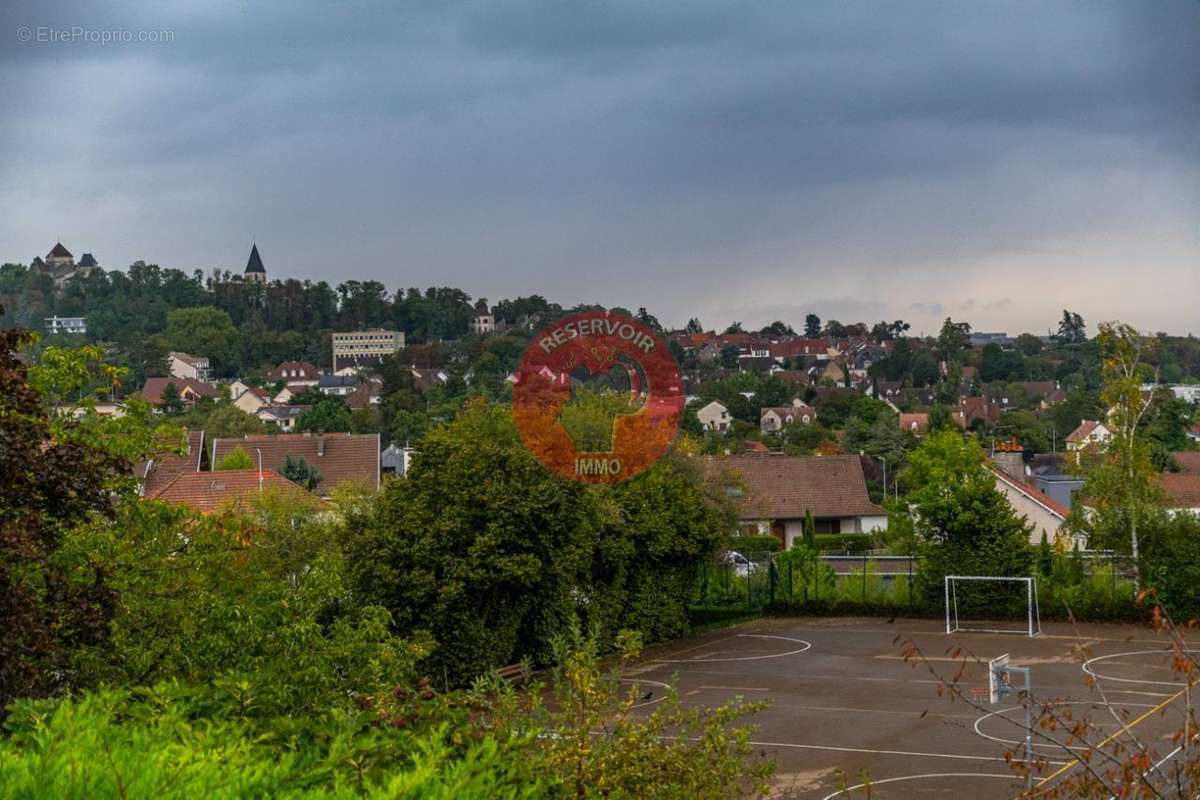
(986, 597)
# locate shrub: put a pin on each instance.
(754, 544)
(844, 542)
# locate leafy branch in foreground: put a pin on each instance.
(1122, 764)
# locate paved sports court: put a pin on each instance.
(843, 701)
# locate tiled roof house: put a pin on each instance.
(338, 457)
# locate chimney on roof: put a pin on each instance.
(1009, 458)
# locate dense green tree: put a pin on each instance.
(953, 341)
(226, 421)
(328, 415)
(301, 473)
(777, 328)
(812, 326)
(925, 370)
(207, 332)
(237, 458)
(1029, 344)
(1119, 484)
(494, 569)
(940, 419)
(965, 525)
(1071, 328)
(834, 407)
(171, 403)
(55, 473)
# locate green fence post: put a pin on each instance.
(1112, 591)
(910, 593)
(864, 583)
(771, 581)
(816, 582)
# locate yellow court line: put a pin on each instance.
(1121, 730)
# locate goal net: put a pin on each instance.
(990, 604)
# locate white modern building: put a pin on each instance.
(66, 325)
(359, 348)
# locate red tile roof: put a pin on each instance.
(920, 420)
(153, 390)
(165, 467)
(337, 456)
(785, 487)
(791, 348)
(1084, 430)
(59, 251)
(1182, 489)
(1188, 461)
(363, 396)
(207, 492)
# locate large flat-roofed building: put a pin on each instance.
(66, 325)
(362, 348)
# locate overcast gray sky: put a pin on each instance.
(994, 162)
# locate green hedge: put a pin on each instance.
(844, 542)
(754, 544)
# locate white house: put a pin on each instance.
(1090, 432)
(252, 400)
(1039, 509)
(182, 365)
(483, 324)
(774, 493)
(776, 418)
(715, 417)
(283, 416)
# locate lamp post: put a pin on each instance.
(260, 477)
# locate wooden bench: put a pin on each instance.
(515, 674)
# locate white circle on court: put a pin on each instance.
(1001, 711)
(846, 792)
(796, 651)
(1087, 667)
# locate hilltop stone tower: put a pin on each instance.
(255, 271)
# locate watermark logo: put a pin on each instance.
(598, 397)
(77, 34)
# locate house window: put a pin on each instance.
(828, 525)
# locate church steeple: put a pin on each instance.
(255, 271)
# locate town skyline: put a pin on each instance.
(930, 311)
(733, 164)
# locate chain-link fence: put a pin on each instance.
(805, 580)
(735, 585)
(1089, 585)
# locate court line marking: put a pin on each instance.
(807, 646)
(775, 705)
(1128, 726)
(941, 633)
(1001, 711)
(848, 789)
(1088, 664)
(639, 681)
(881, 752)
(876, 679)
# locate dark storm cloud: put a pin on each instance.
(726, 160)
